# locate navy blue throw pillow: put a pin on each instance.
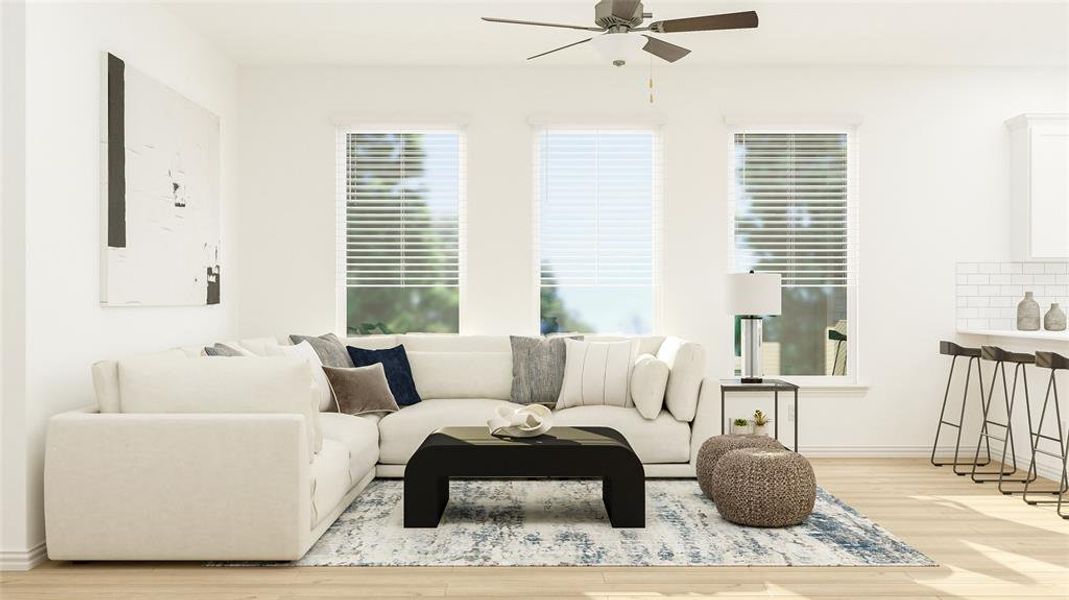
(398, 371)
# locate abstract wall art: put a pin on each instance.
(161, 206)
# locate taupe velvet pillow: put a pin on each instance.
(361, 390)
(538, 368)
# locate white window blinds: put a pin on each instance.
(403, 208)
(792, 207)
(597, 202)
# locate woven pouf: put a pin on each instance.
(715, 447)
(762, 487)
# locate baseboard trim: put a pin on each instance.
(22, 560)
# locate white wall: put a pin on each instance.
(65, 327)
(933, 190)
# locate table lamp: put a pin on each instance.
(753, 296)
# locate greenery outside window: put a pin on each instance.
(401, 227)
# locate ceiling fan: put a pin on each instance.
(619, 21)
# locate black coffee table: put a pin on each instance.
(565, 452)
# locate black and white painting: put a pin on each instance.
(161, 194)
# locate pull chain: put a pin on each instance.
(651, 80)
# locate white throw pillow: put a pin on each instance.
(321, 386)
(164, 384)
(649, 378)
(597, 373)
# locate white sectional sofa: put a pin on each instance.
(155, 482)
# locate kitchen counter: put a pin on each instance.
(1050, 336)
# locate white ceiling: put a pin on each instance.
(442, 32)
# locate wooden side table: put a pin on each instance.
(768, 385)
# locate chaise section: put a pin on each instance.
(662, 440)
(359, 436)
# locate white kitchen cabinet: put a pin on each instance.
(1039, 217)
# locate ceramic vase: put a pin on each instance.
(740, 429)
(1054, 319)
(760, 429)
(1028, 313)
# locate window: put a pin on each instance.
(401, 223)
(794, 214)
(597, 217)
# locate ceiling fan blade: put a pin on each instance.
(539, 24)
(559, 49)
(662, 49)
(739, 20)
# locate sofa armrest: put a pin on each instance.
(177, 486)
(705, 424)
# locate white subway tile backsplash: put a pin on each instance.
(988, 293)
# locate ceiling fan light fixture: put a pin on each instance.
(619, 47)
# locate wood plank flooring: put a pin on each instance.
(989, 546)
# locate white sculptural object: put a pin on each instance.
(525, 421)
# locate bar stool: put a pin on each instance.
(1019, 360)
(1054, 362)
(972, 354)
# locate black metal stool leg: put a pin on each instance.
(1018, 371)
(986, 435)
(1036, 437)
(972, 354)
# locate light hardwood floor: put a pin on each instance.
(987, 545)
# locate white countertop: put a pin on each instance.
(1050, 336)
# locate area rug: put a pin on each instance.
(563, 523)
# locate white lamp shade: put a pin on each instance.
(619, 46)
(753, 294)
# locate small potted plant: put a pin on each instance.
(740, 427)
(760, 421)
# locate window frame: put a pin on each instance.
(656, 223)
(341, 132)
(848, 127)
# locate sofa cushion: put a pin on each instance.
(686, 360)
(359, 435)
(462, 374)
(451, 342)
(662, 440)
(647, 344)
(259, 346)
(649, 378)
(400, 433)
(398, 370)
(166, 384)
(106, 380)
(331, 479)
(219, 349)
(597, 373)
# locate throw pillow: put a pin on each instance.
(320, 385)
(361, 390)
(537, 369)
(398, 370)
(649, 378)
(224, 350)
(597, 373)
(329, 348)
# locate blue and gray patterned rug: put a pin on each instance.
(540, 522)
